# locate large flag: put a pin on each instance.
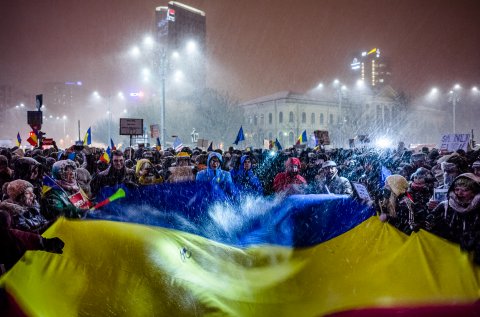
(106, 156)
(176, 247)
(177, 144)
(33, 138)
(277, 145)
(87, 140)
(302, 138)
(240, 136)
(112, 145)
(19, 139)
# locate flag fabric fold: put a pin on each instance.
(106, 156)
(277, 145)
(112, 145)
(210, 147)
(87, 140)
(159, 145)
(33, 138)
(240, 136)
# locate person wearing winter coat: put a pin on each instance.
(397, 207)
(65, 198)
(14, 243)
(333, 183)
(458, 218)
(23, 208)
(244, 178)
(30, 170)
(116, 174)
(6, 174)
(290, 182)
(421, 190)
(220, 179)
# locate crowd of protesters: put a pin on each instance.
(438, 192)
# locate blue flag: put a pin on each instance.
(112, 145)
(240, 136)
(210, 147)
(385, 173)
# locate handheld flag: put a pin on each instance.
(240, 136)
(177, 144)
(159, 145)
(112, 145)
(33, 138)
(48, 184)
(120, 193)
(19, 140)
(210, 147)
(277, 144)
(302, 138)
(106, 156)
(87, 140)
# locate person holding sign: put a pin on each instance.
(65, 197)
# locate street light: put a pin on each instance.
(454, 98)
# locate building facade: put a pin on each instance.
(285, 115)
(372, 68)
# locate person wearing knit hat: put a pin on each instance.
(23, 208)
(332, 183)
(146, 173)
(397, 206)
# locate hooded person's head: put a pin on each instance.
(465, 187)
(292, 166)
(21, 191)
(397, 184)
(214, 161)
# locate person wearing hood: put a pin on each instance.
(244, 178)
(220, 179)
(29, 170)
(397, 206)
(290, 182)
(116, 174)
(65, 198)
(146, 174)
(6, 174)
(23, 208)
(458, 218)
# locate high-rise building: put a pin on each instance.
(372, 68)
(181, 32)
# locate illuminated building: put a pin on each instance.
(371, 68)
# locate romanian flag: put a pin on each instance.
(106, 156)
(87, 140)
(19, 139)
(33, 138)
(193, 254)
(302, 138)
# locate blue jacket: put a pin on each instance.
(220, 179)
(246, 181)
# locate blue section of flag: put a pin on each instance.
(19, 139)
(48, 184)
(240, 136)
(297, 221)
(112, 145)
(158, 142)
(210, 147)
(384, 174)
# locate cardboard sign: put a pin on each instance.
(203, 143)
(361, 191)
(453, 142)
(131, 126)
(322, 137)
(154, 131)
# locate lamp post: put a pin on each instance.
(163, 74)
(454, 98)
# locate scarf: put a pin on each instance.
(70, 188)
(463, 207)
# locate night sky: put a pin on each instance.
(254, 48)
